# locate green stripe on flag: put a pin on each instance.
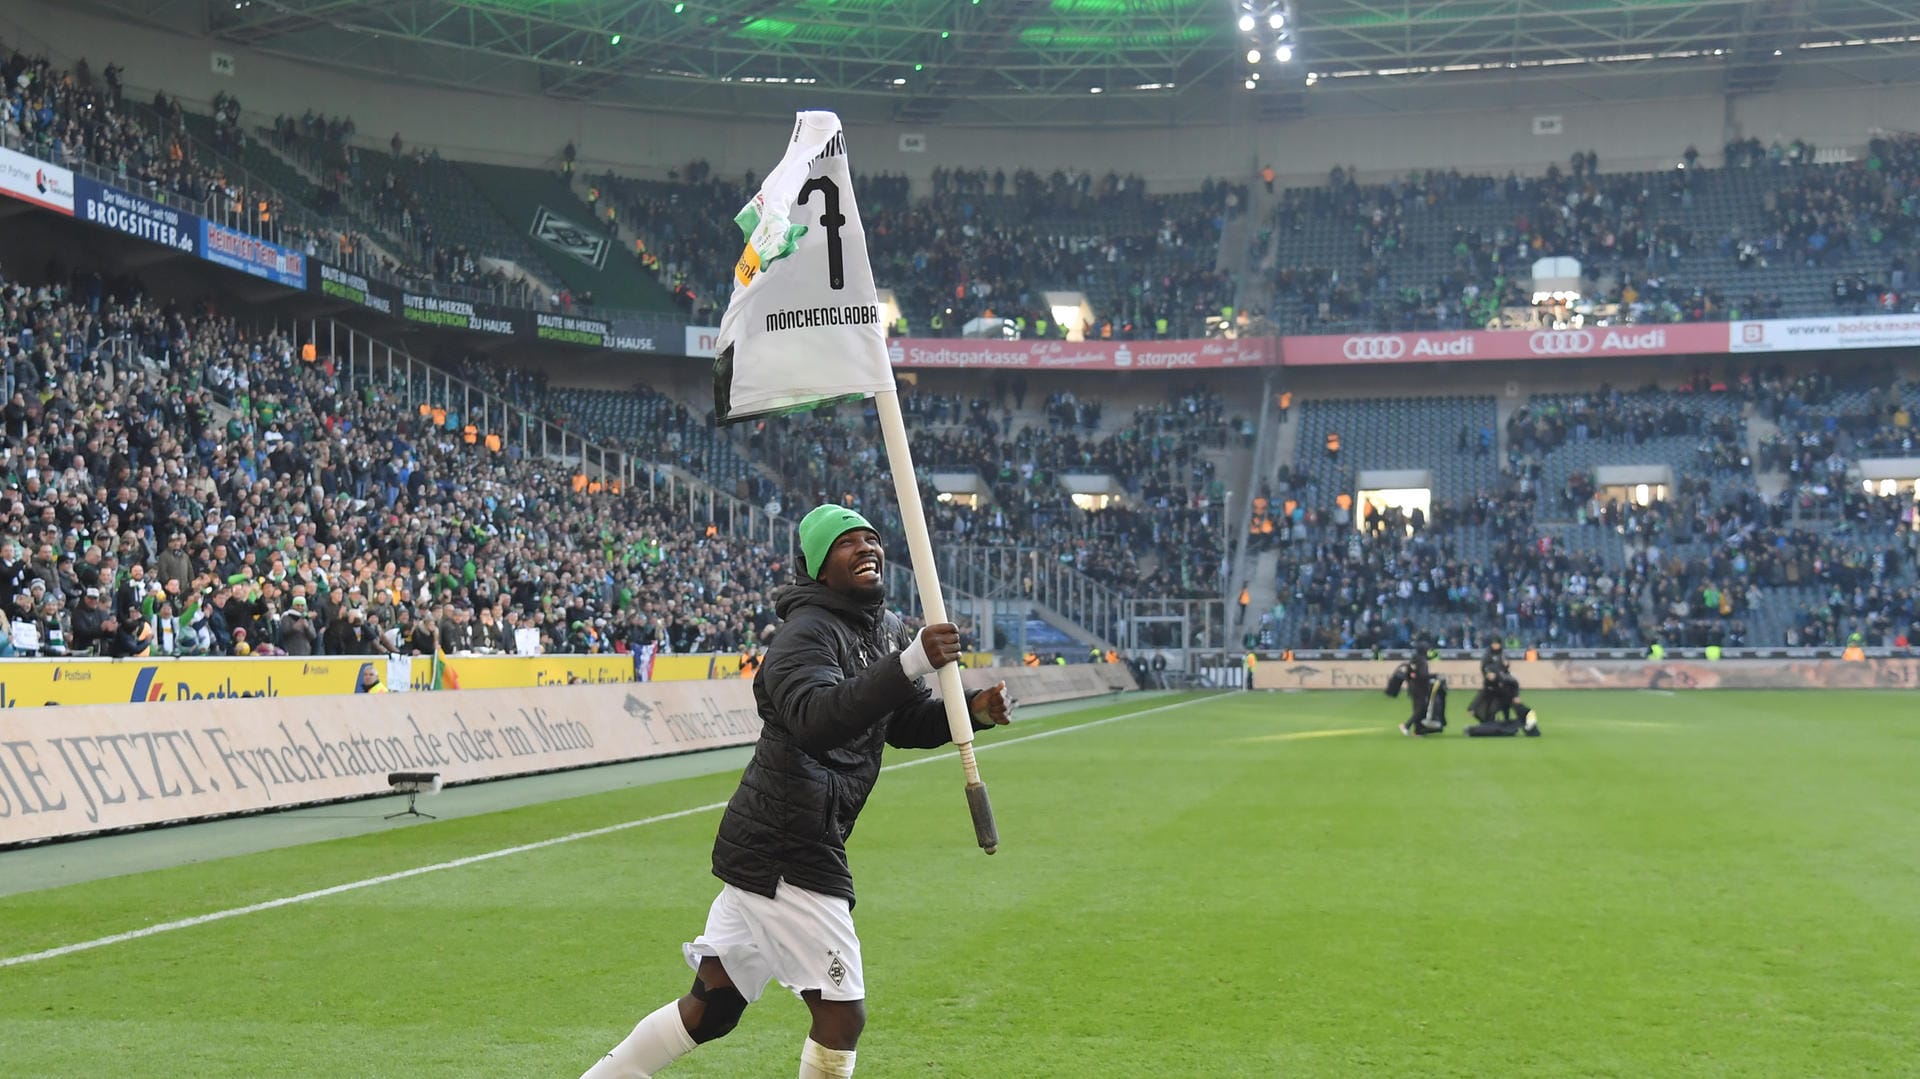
(772, 238)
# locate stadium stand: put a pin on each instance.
(645, 421)
(1536, 557)
(173, 156)
(1774, 235)
(975, 249)
(1765, 538)
(983, 247)
(585, 254)
(1166, 541)
(380, 192)
(684, 232)
(180, 485)
(1453, 435)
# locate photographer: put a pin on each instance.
(349, 635)
(1498, 687)
(1426, 692)
(1498, 707)
(297, 635)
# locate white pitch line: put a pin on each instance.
(322, 893)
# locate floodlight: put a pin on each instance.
(1246, 24)
(1283, 54)
(1276, 20)
(1253, 56)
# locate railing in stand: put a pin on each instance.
(396, 369)
(1026, 574)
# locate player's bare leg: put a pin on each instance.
(829, 1048)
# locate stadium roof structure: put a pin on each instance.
(1051, 62)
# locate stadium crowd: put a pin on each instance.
(984, 248)
(176, 484)
(1712, 563)
(1604, 221)
(1164, 539)
(387, 190)
(1824, 214)
(71, 116)
(986, 243)
(219, 493)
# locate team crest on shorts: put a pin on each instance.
(837, 970)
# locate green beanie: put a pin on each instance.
(820, 527)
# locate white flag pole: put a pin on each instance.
(906, 489)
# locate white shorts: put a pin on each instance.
(802, 939)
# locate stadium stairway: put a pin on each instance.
(1065, 627)
(253, 158)
(1250, 473)
(1038, 635)
(1504, 407)
(519, 196)
(1286, 447)
(1759, 428)
(254, 164)
(1074, 603)
(1233, 257)
(1263, 587)
(384, 237)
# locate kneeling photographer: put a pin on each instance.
(1498, 707)
(1426, 691)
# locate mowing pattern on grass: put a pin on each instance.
(1707, 884)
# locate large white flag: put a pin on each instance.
(804, 326)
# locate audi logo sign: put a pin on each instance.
(1441, 346)
(1561, 343)
(1389, 347)
(1588, 342)
(1374, 348)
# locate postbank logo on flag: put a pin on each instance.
(804, 326)
(747, 267)
(750, 219)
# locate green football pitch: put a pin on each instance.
(1722, 884)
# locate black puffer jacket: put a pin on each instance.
(831, 694)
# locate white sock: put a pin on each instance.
(659, 1040)
(819, 1062)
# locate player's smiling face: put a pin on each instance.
(853, 564)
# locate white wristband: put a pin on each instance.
(913, 659)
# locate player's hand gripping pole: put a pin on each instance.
(906, 489)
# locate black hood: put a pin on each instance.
(809, 593)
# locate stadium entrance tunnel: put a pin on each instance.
(960, 489)
(1888, 476)
(1382, 490)
(1639, 485)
